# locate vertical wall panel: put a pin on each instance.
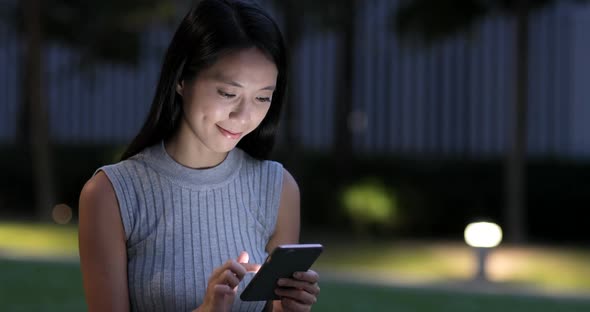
(454, 98)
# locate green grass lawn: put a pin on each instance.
(354, 297)
(40, 286)
(50, 286)
(548, 269)
(31, 281)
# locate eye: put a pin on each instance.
(225, 94)
(263, 99)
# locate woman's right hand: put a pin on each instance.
(223, 282)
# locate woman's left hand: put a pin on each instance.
(300, 292)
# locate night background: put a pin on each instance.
(405, 122)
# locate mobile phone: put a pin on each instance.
(281, 263)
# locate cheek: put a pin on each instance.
(216, 112)
(206, 110)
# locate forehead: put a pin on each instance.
(245, 66)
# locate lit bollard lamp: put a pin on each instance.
(482, 236)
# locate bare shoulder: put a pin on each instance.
(97, 190)
(98, 206)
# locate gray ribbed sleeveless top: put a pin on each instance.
(181, 223)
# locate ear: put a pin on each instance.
(180, 87)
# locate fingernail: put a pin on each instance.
(281, 282)
(297, 274)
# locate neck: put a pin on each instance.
(190, 152)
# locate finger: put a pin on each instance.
(251, 267)
(298, 295)
(243, 257)
(293, 305)
(237, 268)
(220, 269)
(308, 276)
(228, 278)
(311, 288)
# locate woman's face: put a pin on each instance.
(229, 99)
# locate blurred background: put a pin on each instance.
(406, 121)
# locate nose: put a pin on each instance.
(242, 112)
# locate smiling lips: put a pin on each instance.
(229, 134)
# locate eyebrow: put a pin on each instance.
(223, 79)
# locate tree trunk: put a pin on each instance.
(37, 118)
(515, 166)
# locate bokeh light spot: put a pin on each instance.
(61, 214)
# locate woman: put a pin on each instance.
(193, 208)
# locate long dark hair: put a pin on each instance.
(211, 29)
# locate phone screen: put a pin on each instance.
(281, 263)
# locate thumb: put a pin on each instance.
(251, 267)
(243, 257)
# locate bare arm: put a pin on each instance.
(288, 222)
(288, 219)
(103, 254)
(298, 293)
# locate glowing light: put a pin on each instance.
(370, 202)
(61, 214)
(483, 234)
